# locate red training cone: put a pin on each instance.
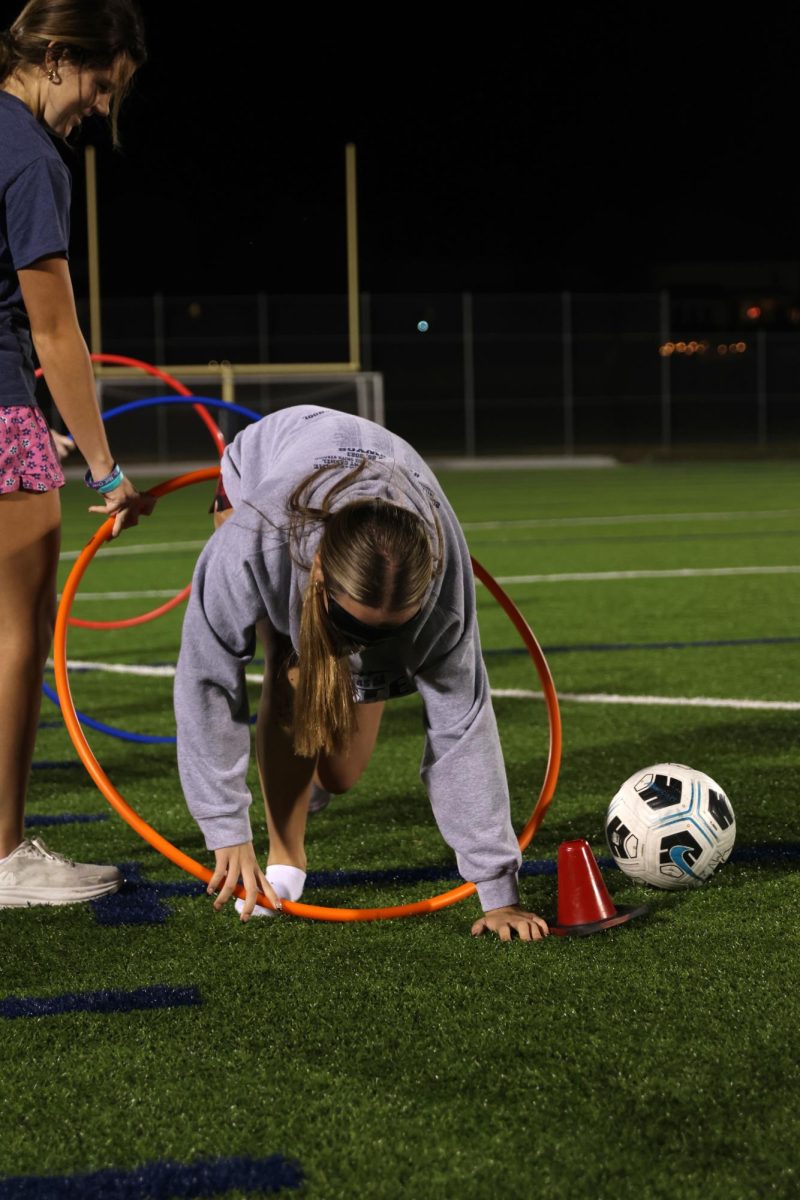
(584, 905)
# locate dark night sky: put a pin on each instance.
(579, 152)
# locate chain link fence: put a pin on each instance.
(477, 374)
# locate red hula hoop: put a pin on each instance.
(122, 360)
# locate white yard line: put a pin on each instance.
(563, 577)
(164, 672)
(152, 593)
(77, 664)
(675, 573)
(168, 672)
(651, 701)
(152, 548)
(474, 526)
(626, 519)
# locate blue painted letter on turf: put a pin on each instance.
(161, 1181)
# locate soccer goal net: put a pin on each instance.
(175, 434)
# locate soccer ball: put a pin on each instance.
(670, 826)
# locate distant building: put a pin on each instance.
(731, 295)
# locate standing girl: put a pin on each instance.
(341, 554)
(60, 61)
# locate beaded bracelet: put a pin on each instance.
(108, 483)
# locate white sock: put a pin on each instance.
(287, 882)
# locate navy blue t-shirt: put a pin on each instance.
(34, 223)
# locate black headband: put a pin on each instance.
(359, 631)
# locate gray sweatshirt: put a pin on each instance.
(247, 573)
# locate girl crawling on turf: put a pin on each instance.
(337, 550)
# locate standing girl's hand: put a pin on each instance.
(127, 504)
(63, 443)
(512, 921)
(234, 862)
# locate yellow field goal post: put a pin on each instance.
(310, 383)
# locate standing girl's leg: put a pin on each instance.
(29, 545)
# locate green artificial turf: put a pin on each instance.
(406, 1059)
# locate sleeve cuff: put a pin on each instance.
(226, 831)
(497, 893)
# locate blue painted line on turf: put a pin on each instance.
(64, 819)
(334, 879)
(162, 1181)
(139, 902)
(771, 852)
(105, 1001)
(54, 764)
(604, 647)
(767, 854)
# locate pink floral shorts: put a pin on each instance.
(28, 458)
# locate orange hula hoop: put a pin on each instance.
(142, 619)
(163, 846)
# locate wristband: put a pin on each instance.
(108, 483)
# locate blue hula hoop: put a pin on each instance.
(150, 401)
(124, 735)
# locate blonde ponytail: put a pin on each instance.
(372, 551)
(324, 702)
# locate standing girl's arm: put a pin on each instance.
(50, 304)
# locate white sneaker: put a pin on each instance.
(35, 875)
